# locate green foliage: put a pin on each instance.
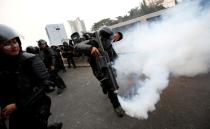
(133, 13)
(100, 23)
(103, 22)
(143, 9)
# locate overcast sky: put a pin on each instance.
(30, 17)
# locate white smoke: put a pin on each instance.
(178, 45)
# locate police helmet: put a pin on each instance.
(30, 49)
(65, 43)
(41, 42)
(7, 33)
(105, 32)
(75, 35)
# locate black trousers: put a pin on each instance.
(58, 81)
(107, 85)
(70, 61)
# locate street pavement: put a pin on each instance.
(184, 104)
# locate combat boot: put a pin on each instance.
(120, 112)
(49, 89)
(56, 125)
(60, 90)
(104, 89)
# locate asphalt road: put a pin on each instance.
(185, 104)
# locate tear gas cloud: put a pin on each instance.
(177, 45)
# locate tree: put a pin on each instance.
(143, 9)
(120, 18)
(152, 7)
(134, 13)
(103, 22)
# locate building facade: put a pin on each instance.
(56, 33)
(77, 26)
(165, 3)
(169, 3)
(125, 26)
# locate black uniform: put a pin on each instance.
(85, 47)
(49, 58)
(68, 54)
(23, 79)
(59, 65)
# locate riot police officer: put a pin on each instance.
(68, 54)
(90, 48)
(23, 78)
(75, 37)
(49, 58)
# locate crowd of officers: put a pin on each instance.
(27, 76)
